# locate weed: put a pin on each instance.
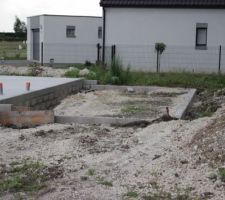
(88, 63)
(84, 178)
(132, 194)
(66, 157)
(221, 172)
(132, 109)
(91, 76)
(34, 70)
(27, 176)
(104, 182)
(91, 172)
(72, 73)
(117, 75)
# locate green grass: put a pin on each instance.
(132, 194)
(181, 79)
(186, 80)
(27, 176)
(91, 172)
(132, 109)
(106, 183)
(102, 181)
(221, 172)
(11, 51)
(72, 73)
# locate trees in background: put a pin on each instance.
(19, 27)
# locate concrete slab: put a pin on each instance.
(16, 85)
(146, 103)
(45, 92)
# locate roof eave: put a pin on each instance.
(162, 6)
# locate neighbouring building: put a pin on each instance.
(63, 39)
(193, 31)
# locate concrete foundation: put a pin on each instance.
(45, 93)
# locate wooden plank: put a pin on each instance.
(26, 119)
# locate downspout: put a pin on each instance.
(103, 42)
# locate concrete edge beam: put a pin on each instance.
(95, 120)
(188, 100)
(123, 88)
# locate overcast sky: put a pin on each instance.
(24, 8)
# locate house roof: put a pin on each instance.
(164, 3)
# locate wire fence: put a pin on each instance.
(137, 57)
(173, 59)
(13, 50)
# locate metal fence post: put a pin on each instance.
(220, 51)
(98, 52)
(157, 67)
(113, 52)
(42, 54)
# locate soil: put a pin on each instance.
(176, 160)
(44, 71)
(206, 103)
(115, 103)
(167, 160)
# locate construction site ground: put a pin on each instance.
(180, 159)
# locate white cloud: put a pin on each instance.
(24, 8)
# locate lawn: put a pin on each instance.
(126, 77)
(13, 50)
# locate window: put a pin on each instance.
(70, 31)
(99, 32)
(201, 36)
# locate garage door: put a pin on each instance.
(36, 44)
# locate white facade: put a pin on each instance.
(136, 30)
(56, 43)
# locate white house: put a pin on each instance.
(63, 39)
(192, 30)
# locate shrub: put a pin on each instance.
(88, 63)
(118, 75)
(160, 47)
(35, 69)
(72, 73)
(91, 76)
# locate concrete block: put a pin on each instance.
(5, 107)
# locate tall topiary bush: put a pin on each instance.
(160, 48)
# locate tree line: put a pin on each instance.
(19, 34)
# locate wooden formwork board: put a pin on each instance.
(21, 119)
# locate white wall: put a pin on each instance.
(67, 50)
(133, 29)
(29, 45)
(86, 29)
(35, 22)
(171, 26)
(71, 50)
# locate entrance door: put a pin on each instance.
(36, 44)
